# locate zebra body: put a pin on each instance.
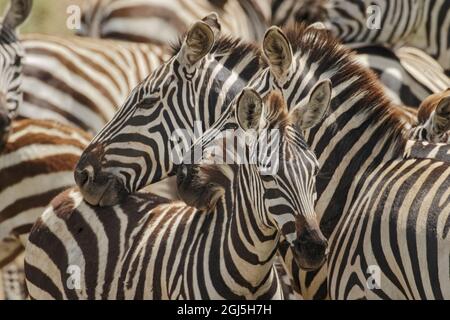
(158, 22)
(36, 165)
(168, 250)
(11, 54)
(94, 77)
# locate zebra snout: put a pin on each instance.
(99, 189)
(311, 249)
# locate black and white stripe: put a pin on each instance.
(408, 75)
(36, 165)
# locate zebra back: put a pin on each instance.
(153, 21)
(94, 77)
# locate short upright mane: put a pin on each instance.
(225, 45)
(338, 61)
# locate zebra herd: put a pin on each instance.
(358, 208)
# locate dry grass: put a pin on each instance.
(47, 16)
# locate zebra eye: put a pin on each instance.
(149, 102)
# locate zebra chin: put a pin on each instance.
(103, 190)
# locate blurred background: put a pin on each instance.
(47, 16)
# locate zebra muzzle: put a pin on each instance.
(311, 250)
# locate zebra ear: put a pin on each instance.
(313, 112)
(278, 52)
(18, 12)
(249, 110)
(198, 43)
(441, 120)
(317, 26)
(212, 20)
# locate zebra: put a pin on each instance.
(423, 24)
(434, 119)
(11, 55)
(159, 22)
(224, 247)
(94, 77)
(362, 137)
(36, 165)
(189, 91)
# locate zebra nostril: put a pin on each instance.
(81, 177)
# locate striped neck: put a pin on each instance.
(247, 245)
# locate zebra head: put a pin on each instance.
(266, 166)
(11, 54)
(187, 92)
(434, 118)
